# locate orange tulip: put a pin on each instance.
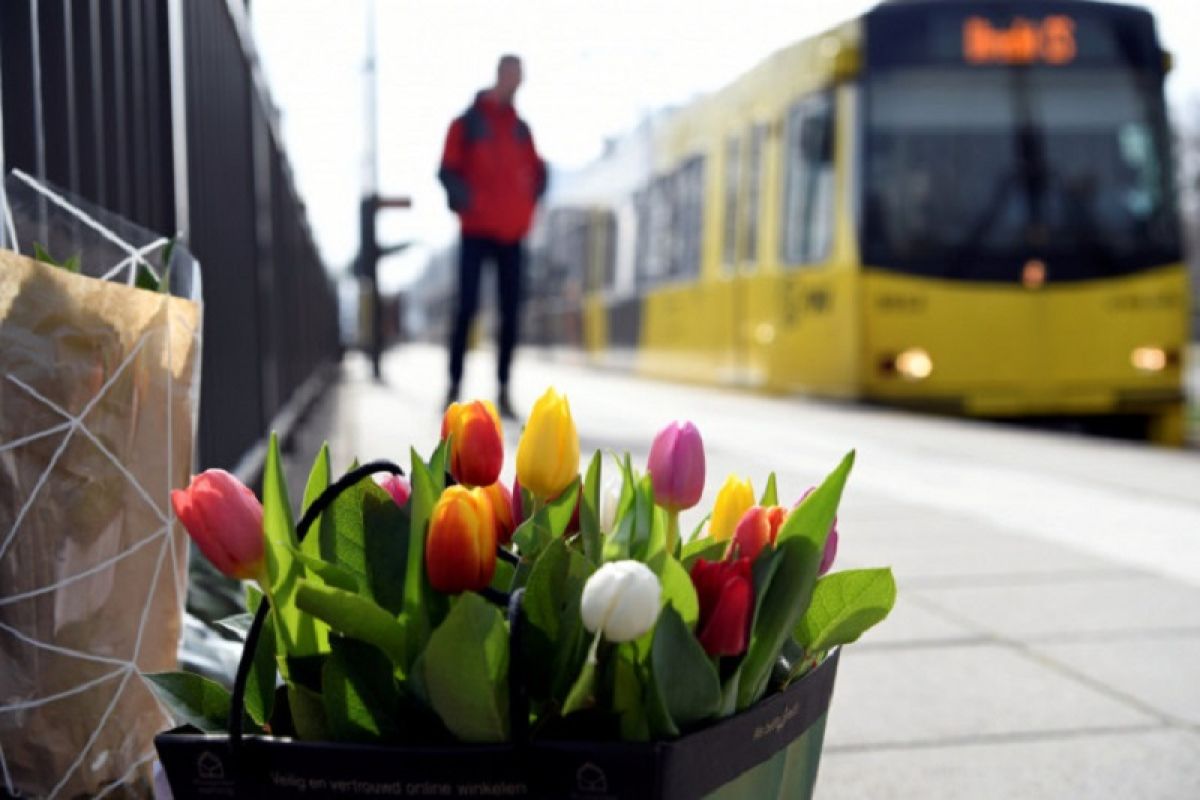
(757, 528)
(476, 442)
(502, 511)
(460, 553)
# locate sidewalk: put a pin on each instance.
(1046, 640)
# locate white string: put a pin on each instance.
(33, 437)
(78, 576)
(91, 739)
(54, 648)
(8, 783)
(129, 261)
(37, 487)
(124, 779)
(86, 219)
(74, 690)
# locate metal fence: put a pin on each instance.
(157, 110)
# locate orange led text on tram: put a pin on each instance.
(1025, 41)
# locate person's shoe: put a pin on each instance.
(504, 406)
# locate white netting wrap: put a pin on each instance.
(99, 383)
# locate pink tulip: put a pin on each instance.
(225, 520)
(831, 541)
(398, 487)
(676, 466)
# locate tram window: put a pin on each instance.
(750, 208)
(808, 181)
(689, 213)
(732, 180)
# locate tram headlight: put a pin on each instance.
(1148, 359)
(914, 364)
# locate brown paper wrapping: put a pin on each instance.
(98, 389)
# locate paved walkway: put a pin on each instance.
(1046, 643)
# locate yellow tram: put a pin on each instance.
(951, 204)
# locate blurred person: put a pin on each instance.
(493, 178)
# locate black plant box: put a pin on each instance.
(770, 750)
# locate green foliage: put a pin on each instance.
(71, 265)
(685, 681)
(359, 692)
(193, 699)
(678, 591)
(589, 512)
(813, 518)
(770, 495)
(260, 682)
(709, 549)
(295, 634)
(555, 638)
(844, 605)
(355, 616)
(464, 671)
(423, 608)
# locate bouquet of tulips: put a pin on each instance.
(414, 609)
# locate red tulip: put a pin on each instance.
(398, 487)
(757, 528)
(502, 513)
(676, 466)
(460, 553)
(476, 442)
(726, 593)
(225, 520)
(831, 541)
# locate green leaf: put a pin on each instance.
(330, 574)
(582, 694)
(296, 636)
(629, 693)
(678, 591)
(770, 495)
(308, 713)
(684, 678)
(641, 532)
(589, 512)
(560, 510)
(694, 536)
(73, 264)
(844, 605)
(193, 699)
(359, 692)
(261, 680)
(423, 607)
(783, 582)
(556, 639)
(146, 279)
(502, 580)
(813, 518)
(354, 616)
(385, 540)
(319, 478)
(708, 548)
(465, 671)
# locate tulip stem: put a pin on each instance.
(672, 532)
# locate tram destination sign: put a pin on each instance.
(1010, 34)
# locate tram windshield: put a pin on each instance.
(968, 173)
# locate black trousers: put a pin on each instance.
(472, 252)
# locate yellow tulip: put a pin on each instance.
(735, 497)
(548, 453)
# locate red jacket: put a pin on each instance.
(491, 170)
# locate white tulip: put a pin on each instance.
(610, 498)
(622, 600)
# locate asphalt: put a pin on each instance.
(1046, 639)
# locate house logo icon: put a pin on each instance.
(209, 767)
(591, 779)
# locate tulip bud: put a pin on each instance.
(501, 501)
(676, 466)
(610, 498)
(518, 504)
(831, 541)
(476, 442)
(735, 497)
(725, 590)
(757, 528)
(548, 453)
(398, 487)
(621, 599)
(225, 520)
(460, 552)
